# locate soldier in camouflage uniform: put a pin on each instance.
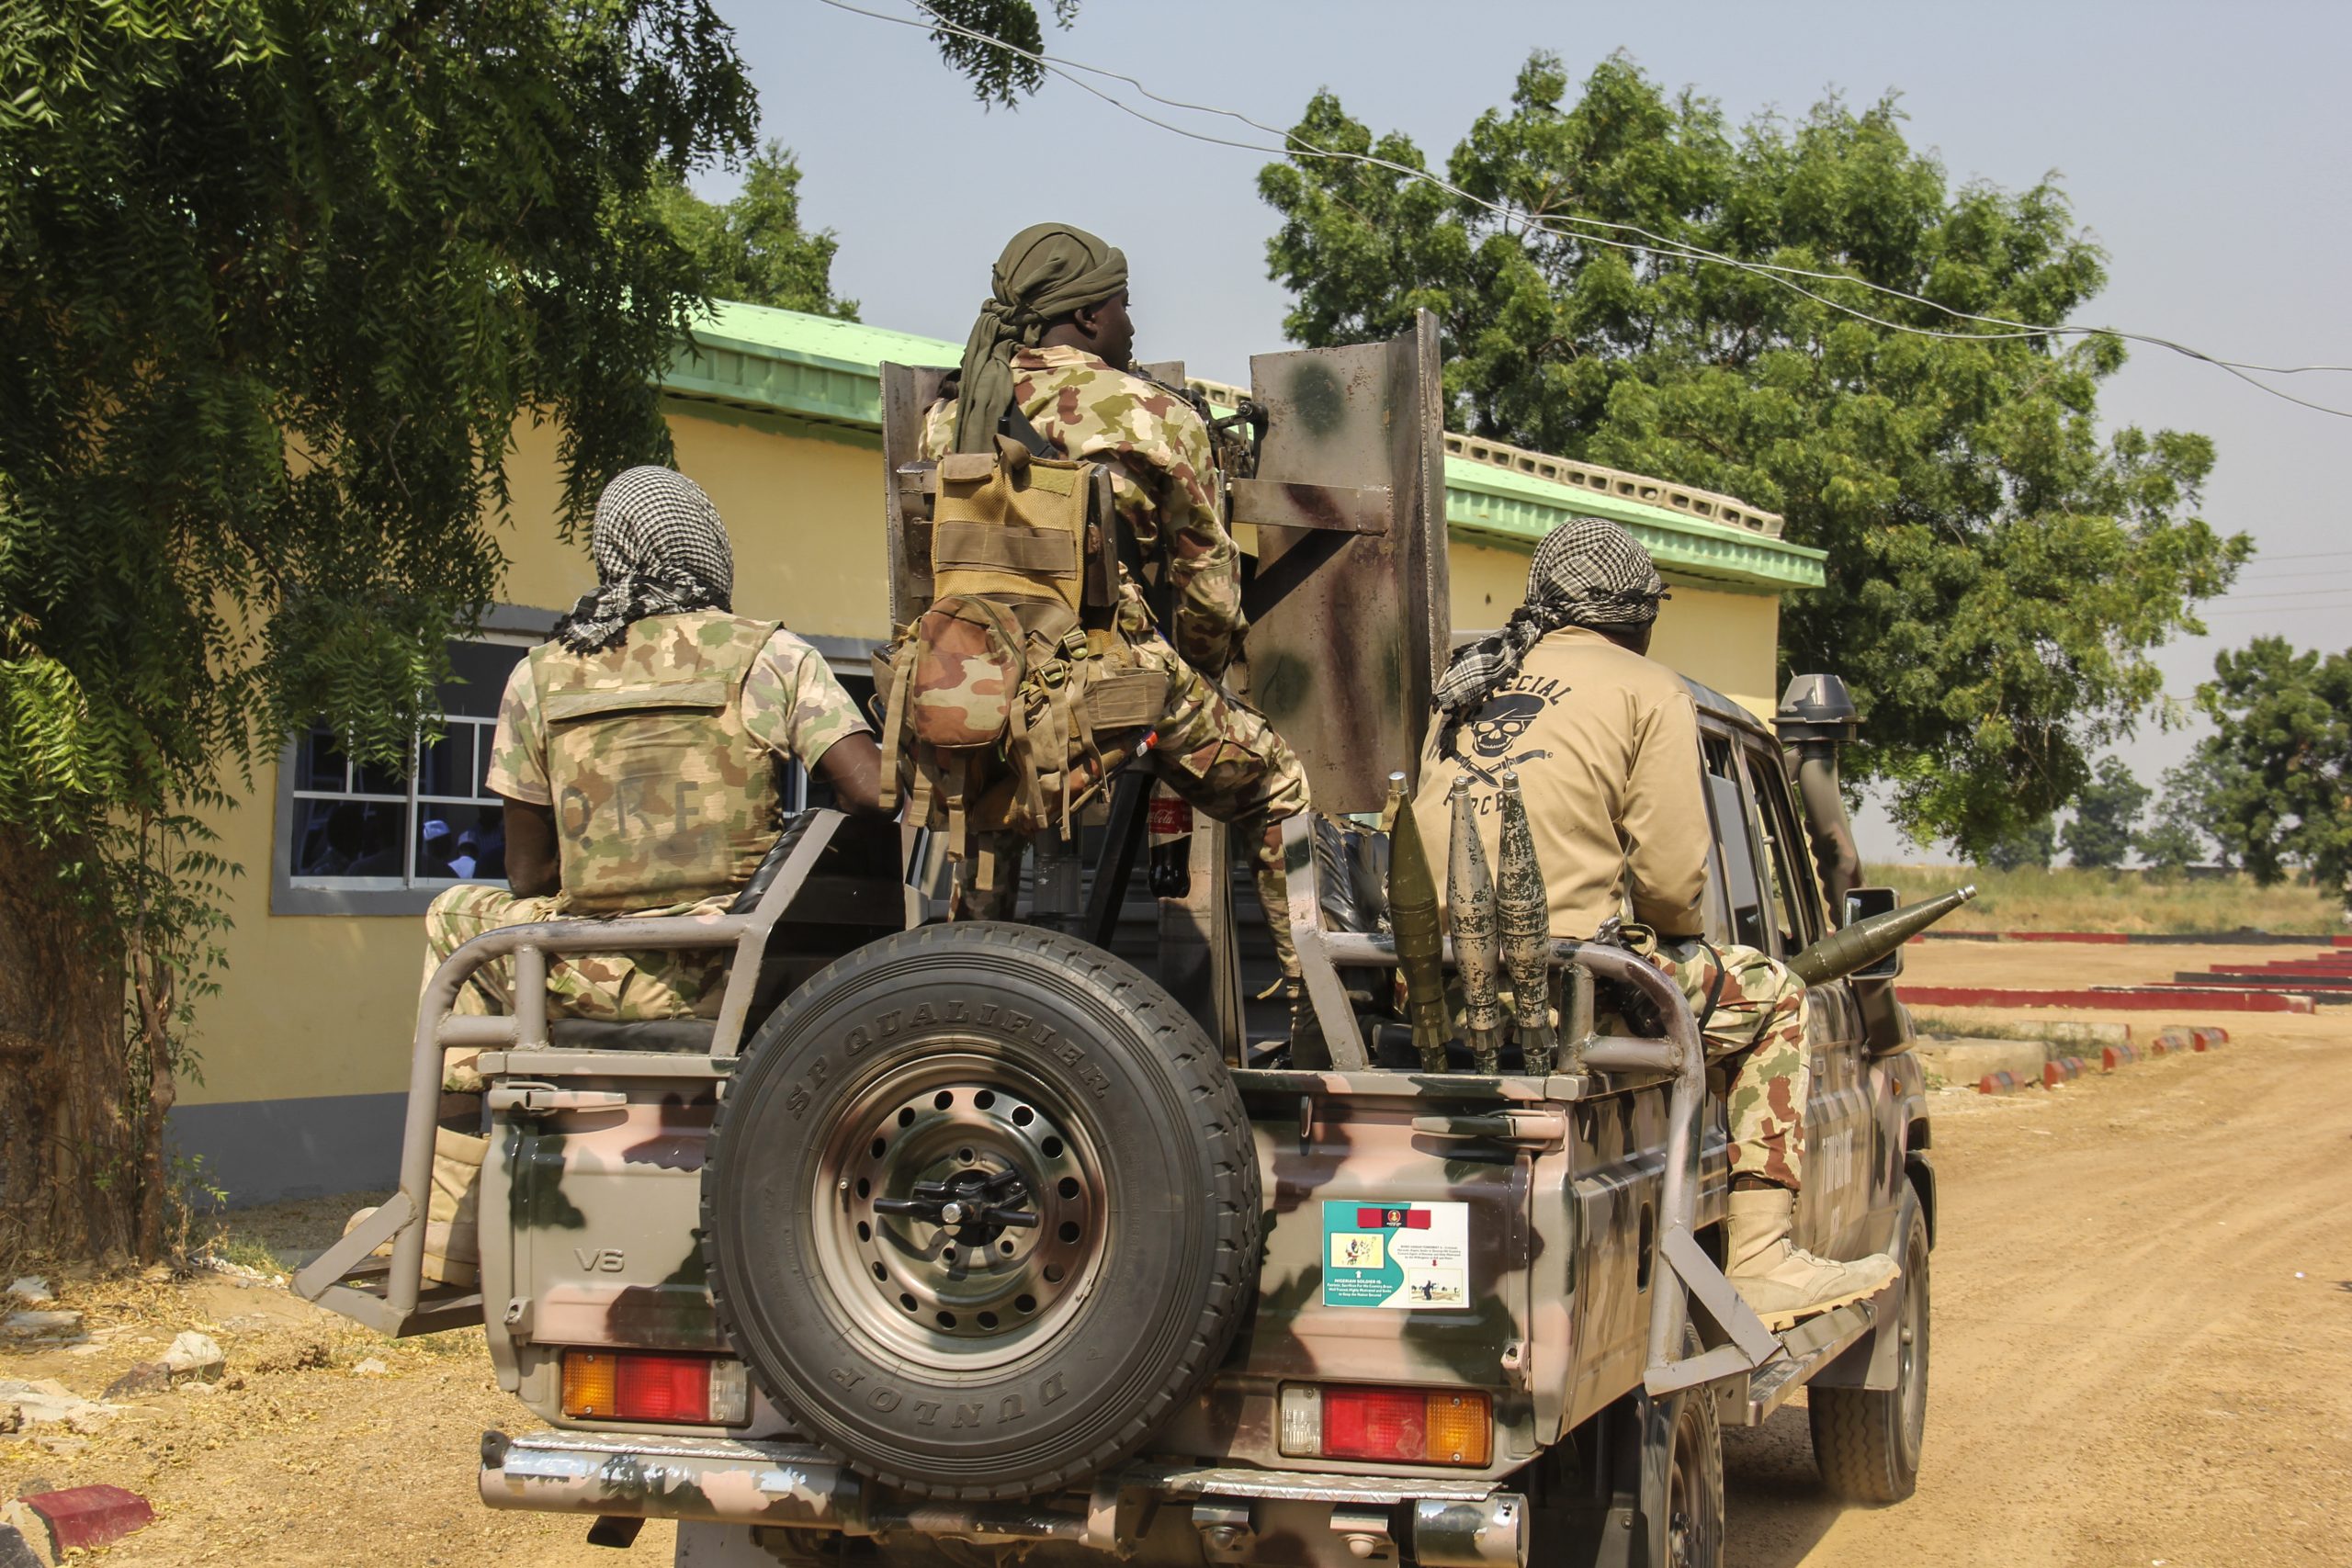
(637, 751)
(1056, 342)
(1605, 744)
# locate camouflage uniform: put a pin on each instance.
(1759, 1016)
(1214, 749)
(697, 837)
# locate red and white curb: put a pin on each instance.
(2066, 1069)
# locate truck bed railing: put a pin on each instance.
(1679, 1052)
(404, 1307)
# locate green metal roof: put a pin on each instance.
(827, 372)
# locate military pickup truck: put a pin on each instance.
(974, 1242)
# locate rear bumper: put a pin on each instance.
(1444, 1523)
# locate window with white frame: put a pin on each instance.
(354, 827)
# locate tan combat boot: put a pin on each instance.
(1781, 1282)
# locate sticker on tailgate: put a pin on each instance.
(1404, 1256)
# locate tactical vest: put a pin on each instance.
(1008, 701)
(661, 795)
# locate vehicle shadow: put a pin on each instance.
(1776, 1508)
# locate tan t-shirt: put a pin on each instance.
(1606, 746)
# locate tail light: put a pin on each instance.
(645, 1385)
(1398, 1425)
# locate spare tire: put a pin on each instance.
(982, 1209)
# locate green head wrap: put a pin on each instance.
(1049, 271)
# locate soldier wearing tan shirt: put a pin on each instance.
(1605, 744)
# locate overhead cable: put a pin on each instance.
(1657, 245)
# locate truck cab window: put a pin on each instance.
(1743, 896)
(1796, 900)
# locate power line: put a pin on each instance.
(2339, 592)
(1659, 245)
(2265, 560)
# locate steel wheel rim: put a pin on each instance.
(1911, 1373)
(1681, 1507)
(949, 1284)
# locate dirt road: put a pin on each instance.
(2142, 1334)
(2142, 1355)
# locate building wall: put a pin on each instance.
(1718, 638)
(305, 1050)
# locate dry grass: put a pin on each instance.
(2070, 900)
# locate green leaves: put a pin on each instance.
(278, 278)
(2276, 772)
(1999, 573)
(2107, 818)
(754, 248)
(998, 75)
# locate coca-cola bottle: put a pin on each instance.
(1168, 823)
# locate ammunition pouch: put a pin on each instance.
(1002, 709)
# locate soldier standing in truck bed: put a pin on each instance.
(1605, 743)
(1053, 340)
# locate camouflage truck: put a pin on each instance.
(969, 1241)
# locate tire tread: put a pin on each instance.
(1224, 1125)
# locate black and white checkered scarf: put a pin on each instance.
(660, 550)
(1587, 572)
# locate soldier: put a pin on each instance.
(1053, 340)
(637, 751)
(1605, 743)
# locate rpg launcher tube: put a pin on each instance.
(1866, 941)
(1525, 912)
(1420, 944)
(1477, 935)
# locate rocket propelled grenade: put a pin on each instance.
(1477, 935)
(1525, 912)
(1421, 943)
(1866, 941)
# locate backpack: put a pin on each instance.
(1005, 706)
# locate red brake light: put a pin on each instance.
(1374, 1423)
(663, 1388)
(646, 1385)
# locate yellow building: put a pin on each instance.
(304, 1052)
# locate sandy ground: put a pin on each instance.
(2142, 1353)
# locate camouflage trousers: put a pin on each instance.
(619, 988)
(1221, 756)
(1760, 1017)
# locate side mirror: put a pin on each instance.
(1861, 903)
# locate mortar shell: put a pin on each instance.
(1477, 935)
(1420, 939)
(1524, 913)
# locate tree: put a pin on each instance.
(998, 75)
(2032, 844)
(2281, 758)
(277, 277)
(2188, 816)
(2107, 817)
(754, 248)
(1998, 573)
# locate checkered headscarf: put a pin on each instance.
(1587, 572)
(660, 550)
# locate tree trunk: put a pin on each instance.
(151, 990)
(69, 1168)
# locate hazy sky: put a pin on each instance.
(2203, 146)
